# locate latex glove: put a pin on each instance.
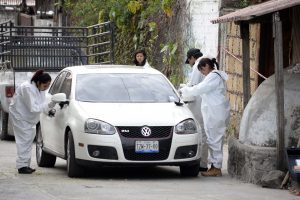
(180, 92)
(52, 112)
(51, 104)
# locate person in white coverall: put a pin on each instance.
(193, 58)
(215, 110)
(27, 104)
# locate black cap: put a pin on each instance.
(193, 52)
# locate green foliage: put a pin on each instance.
(167, 7)
(169, 52)
(137, 23)
(242, 3)
(134, 6)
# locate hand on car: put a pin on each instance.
(52, 112)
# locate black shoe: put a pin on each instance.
(25, 170)
(32, 170)
(203, 169)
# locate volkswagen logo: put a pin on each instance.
(146, 131)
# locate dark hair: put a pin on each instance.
(144, 61)
(41, 76)
(211, 63)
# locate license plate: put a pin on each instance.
(146, 147)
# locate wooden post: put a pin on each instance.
(244, 27)
(279, 87)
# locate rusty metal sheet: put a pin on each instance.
(257, 10)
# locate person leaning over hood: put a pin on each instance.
(215, 110)
(27, 104)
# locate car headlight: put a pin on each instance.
(98, 127)
(187, 126)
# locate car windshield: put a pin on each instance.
(124, 88)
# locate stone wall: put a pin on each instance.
(250, 163)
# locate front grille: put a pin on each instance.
(132, 134)
(135, 131)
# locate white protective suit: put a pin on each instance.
(27, 104)
(215, 110)
(146, 65)
(195, 78)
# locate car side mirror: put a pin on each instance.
(59, 97)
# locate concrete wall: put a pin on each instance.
(204, 33)
(249, 163)
(8, 15)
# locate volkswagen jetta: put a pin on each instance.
(117, 115)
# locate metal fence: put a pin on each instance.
(53, 48)
(16, 2)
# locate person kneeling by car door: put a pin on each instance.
(27, 104)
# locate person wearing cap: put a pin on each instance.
(193, 58)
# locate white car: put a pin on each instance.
(117, 115)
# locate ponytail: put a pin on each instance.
(214, 61)
(210, 62)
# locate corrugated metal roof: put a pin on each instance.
(257, 10)
(16, 2)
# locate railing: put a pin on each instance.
(53, 48)
(16, 2)
(101, 43)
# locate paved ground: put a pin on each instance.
(159, 183)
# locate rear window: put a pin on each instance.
(124, 88)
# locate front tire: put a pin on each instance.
(74, 170)
(43, 158)
(190, 170)
(3, 125)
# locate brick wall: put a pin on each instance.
(230, 59)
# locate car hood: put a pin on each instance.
(136, 114)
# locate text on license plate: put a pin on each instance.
(146, 147)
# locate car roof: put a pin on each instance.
(111, 68)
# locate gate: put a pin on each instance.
(29, 48)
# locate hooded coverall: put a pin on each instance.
(215, 111)
(195, 78)
(27, 104)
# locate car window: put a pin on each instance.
(56, 84)
(124, 88)
(66, 85)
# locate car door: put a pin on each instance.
(49, 125)
(60, 120)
